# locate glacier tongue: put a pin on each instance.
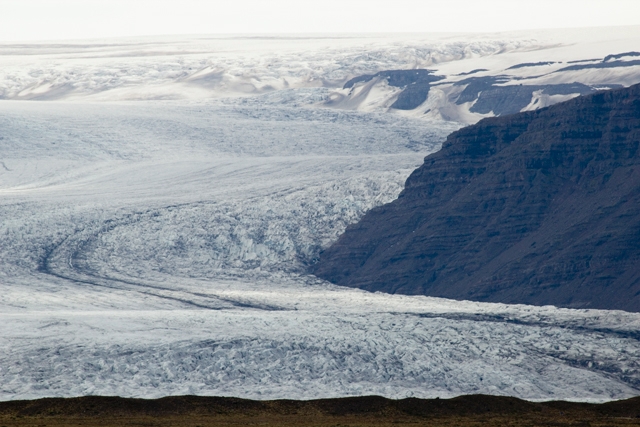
(153, 249)
(324, 352)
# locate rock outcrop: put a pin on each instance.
(490, 97)
(415, 85)
(541, 207)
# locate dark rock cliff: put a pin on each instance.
(541, 207)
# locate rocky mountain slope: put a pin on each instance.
(541, 207)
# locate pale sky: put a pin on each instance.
(27, 20)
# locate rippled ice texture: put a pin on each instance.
(153, 249)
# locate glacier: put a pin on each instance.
(155, 244)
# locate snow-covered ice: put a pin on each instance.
(282, 67)
(158, 247)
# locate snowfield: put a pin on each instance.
(159, 247)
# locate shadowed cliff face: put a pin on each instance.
(538, 208)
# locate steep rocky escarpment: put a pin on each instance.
(541, 207)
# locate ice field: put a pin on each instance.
(158, 246)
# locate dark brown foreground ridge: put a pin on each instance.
(355, 411)
(541, 207)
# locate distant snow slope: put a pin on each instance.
(159, 247)
(196, 67)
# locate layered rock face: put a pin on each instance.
(541, 207)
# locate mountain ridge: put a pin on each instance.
(540, 207)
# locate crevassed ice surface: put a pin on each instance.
(202, 66)
(156, 249)
(159, 248)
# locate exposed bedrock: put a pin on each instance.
(541, 207)
(415, 83)
(490, 97)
